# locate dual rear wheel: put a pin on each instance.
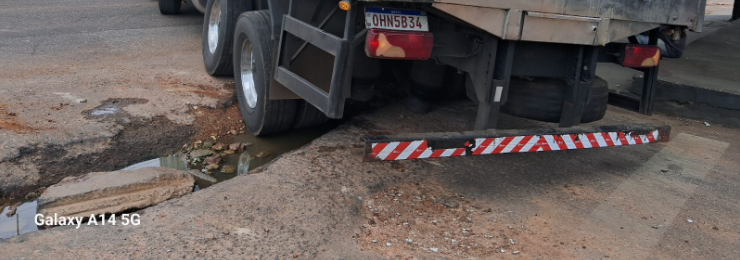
(253, 69)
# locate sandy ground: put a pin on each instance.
(323, 202)
(119, 55)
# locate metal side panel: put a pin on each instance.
(491, 20)
(674, 12)
(541, 27)
(545, 27)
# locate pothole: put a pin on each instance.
(256, 152)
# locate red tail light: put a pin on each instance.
(399, 44)
(641, 56)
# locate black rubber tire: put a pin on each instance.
(220, 63)
(169, 6)
(307, 116)
(268, 116)
(542, 99)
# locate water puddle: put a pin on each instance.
(20, 223)
(112, 108)
(261, 151)
(105, 111)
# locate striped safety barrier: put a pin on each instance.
(396, 148)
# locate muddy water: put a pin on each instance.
(274, 145)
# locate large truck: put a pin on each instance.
(296, 62)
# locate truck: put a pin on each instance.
(296, 62)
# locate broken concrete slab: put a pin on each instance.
(113, 192)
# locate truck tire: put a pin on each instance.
(542, 99)
(218, 34)
(307, 116)
(169, 6)
(252, 73)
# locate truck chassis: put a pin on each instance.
(489, 41)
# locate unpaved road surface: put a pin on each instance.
(63, 59)
(675, 200)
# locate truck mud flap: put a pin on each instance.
(454, 144)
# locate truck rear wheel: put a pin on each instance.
(218, 34)
(169, 6)
(542, 99)
(252, 72)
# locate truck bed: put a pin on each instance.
(570, 21)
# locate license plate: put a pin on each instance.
(396, 19)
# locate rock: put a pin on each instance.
(434, 249)
(31, 195)
(229, 152)
(197, 144)
(449, 203)
(213, 159)
(374, 241)
(81, 100)
(114, 192)
(201, 153)
(228, 169)
(233, 132)
(235, 147)
(245, 145)
(263, 154)
(212, 167)
(207, 145)
(218, 147)
(515, 252)
(388, 244)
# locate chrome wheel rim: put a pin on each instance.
(214, 21)
(247, 74)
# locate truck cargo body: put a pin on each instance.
(323, 52)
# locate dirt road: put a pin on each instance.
(675, 200)
(96, 85)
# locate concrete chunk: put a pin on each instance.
(113, 192)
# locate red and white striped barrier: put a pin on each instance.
(420, 149)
